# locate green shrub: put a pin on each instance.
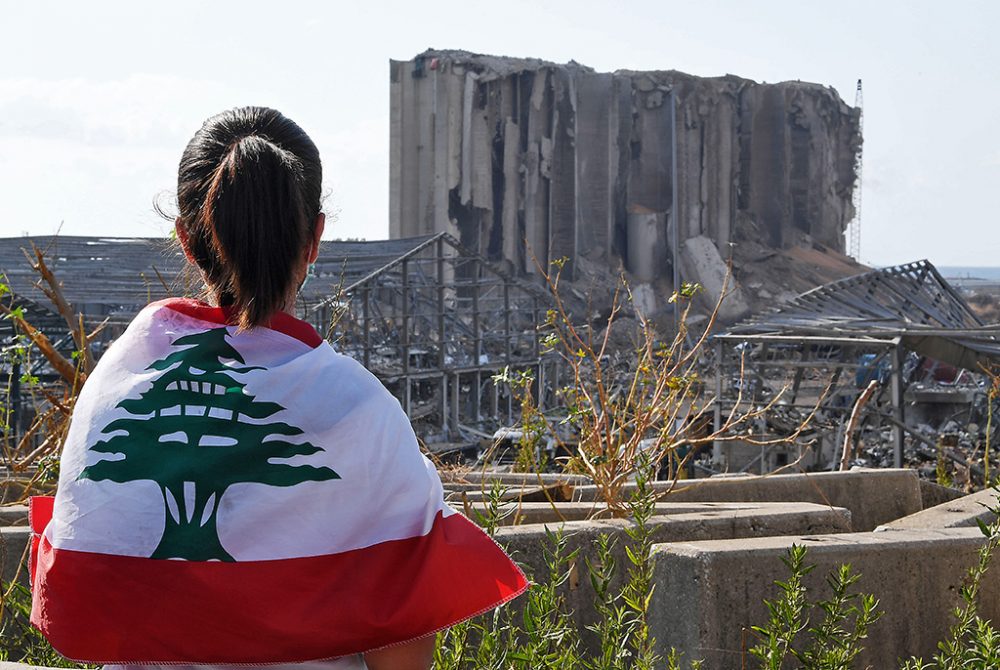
(835, 642)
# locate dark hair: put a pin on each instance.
(248, 195)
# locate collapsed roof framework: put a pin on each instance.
(433, 321)
(803, 348)
(435, 325)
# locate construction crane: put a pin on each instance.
(854, 227)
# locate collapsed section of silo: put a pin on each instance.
(527, 161)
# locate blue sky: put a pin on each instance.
(98, 99)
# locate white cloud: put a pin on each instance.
(95, 153)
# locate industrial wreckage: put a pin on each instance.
(501, 166)
(436, 323)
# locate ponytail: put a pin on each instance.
(248, 195)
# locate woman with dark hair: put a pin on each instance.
(233, 491)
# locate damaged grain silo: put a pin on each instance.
(526, 160)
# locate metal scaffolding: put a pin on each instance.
(435, 325)
(433, 321)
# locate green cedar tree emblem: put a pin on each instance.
(188, 437)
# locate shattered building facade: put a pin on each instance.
(528, 161)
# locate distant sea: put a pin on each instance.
(969, 272)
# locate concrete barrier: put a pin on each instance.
(526, 543)
(511, 478)
(13, 545)
(14, 515)
(546, 513)
(960, 513)
(708, 594)
(469, 493)
(12, 489)
(933, 494)
(874, 497)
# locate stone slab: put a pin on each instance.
(874, 496)
(13, 543)
(14, 515)
(960, 513)
(701, 263)
(546, 513)
(932, 493)
(463, 494)
(512, 478)
(528, 543)
(709, 593)
(12, 490)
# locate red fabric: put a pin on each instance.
(106, 608)
(281, 322)
(39, 515)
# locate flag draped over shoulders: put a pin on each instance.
(247, 497)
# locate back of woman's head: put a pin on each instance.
(248, 195)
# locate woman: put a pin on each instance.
(231, 489)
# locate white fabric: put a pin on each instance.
(338, 404)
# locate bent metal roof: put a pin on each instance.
(104, 276)
(912, 302)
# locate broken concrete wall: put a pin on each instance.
(527, 161)
(702, 264)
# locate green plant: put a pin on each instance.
(612, 618)
(833, 644)
(530, 457)
(648, 397)
(539, 631)
(638, 590)
(548, 637)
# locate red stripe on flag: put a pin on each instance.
(40, 510)
(106, 608)
(281, 322)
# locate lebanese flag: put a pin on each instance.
(248, 497)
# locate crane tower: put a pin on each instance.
(854, 227)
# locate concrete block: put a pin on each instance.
(647, 302)
(512, 240)
(874, 497)
(548, 513)
(12, 489)
(933, 494)
(648, 253)
(960, 513)
(470, 493)
(514, 478)
(13, 548)
(709, 593)
(701, 263)
(595, 170)
(526, 543)
(562, 176)
(14, 515)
